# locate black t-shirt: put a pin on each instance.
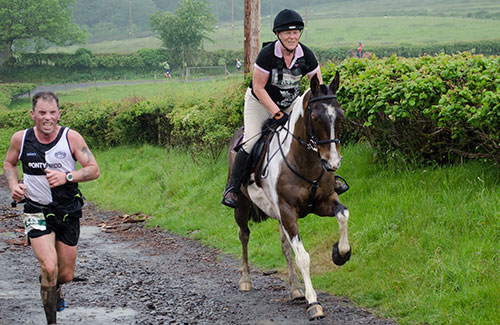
(283, 82)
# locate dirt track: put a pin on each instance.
(128, 274)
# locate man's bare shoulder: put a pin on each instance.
(17, 137)
(74, 137)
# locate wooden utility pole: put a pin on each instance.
(305, 27)
(131, 28)
(252, 33)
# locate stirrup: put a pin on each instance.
(227, 201)
(344, 187)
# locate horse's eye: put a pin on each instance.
(314, 117)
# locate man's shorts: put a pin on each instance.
(65, 226)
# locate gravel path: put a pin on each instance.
(128, 274)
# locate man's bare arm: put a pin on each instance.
(10, 170)
(82, 153)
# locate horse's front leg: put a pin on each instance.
(341, 251)
(296, 291)
(302, 259)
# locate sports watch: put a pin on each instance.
(69, 176)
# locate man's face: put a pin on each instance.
(46, 114)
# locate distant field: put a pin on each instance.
(342, 22)
(134, 92)
(331, 32)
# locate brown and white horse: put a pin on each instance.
(297, 178)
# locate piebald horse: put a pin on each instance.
(297, 178)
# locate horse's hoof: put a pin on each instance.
(337, 258)
(245, 286)
(315, 311)
(297, 294)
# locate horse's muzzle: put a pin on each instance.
(328, 166)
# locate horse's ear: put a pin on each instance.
(315, 84)
(334, 85)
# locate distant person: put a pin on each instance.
(360, 49)
(274, 88)
(166, 67)
(49, 154)
(238, 65)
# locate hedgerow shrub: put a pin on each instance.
(197, 123)
(10, 90)
(428, 109)
(84, 65)
(434, 108)
(15, 119)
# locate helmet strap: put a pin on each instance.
(286, 48)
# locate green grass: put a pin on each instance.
(133, 92)
(425, 240)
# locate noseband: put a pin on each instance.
(313, 142)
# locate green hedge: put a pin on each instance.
(428, 109)
(487, 47)
(436, 109)
(10, 90)
(197, 123)
(85, 65)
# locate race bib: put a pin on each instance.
(33, 221)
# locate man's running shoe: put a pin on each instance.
(61, 304)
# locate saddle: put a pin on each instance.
(255, 162)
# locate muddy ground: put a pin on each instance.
(128, 274)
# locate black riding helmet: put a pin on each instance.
(287, 19)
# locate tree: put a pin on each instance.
(183, 32)
(111, 19)
(37, 22)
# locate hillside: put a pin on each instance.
(124, 20)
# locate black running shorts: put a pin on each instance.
(66, 227)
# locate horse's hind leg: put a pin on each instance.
(296, 291)
(242, 215)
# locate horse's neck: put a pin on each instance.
(305, 159)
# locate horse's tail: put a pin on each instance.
(257, 215)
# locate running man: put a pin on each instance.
(48, 153)
(166, 66)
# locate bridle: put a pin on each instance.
(312, 144)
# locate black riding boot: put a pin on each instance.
(232, 191)
(341, 185)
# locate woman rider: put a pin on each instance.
(273, 90)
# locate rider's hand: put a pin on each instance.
(279, 118)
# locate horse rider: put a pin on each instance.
(273, 90)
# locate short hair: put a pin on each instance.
(46, 96)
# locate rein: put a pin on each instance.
(312, 144)
(314, 183)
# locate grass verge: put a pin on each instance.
(425, 241)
